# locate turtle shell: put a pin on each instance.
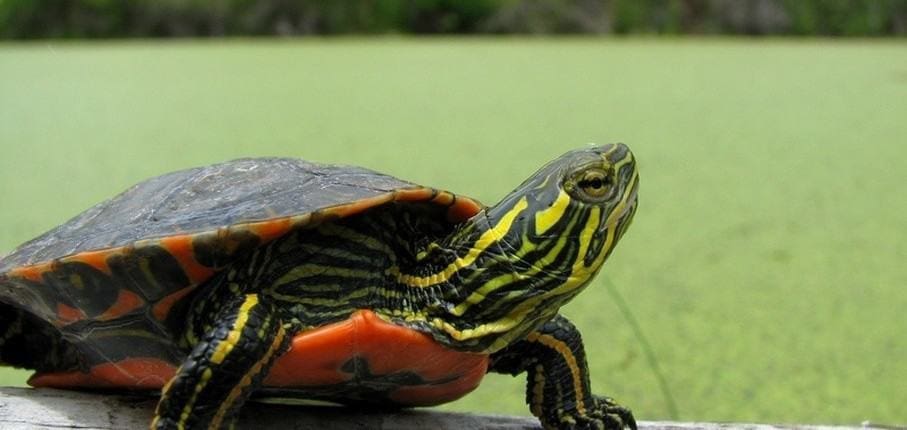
(127, 261)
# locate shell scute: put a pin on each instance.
(126, 302)
(84, 288)
(181, 249)
(149, 270)
(219, 248)
(96, 259)
(161, 309)
(33, 273)
(67, 315)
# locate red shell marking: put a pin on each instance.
(317, 359)
(131, 373)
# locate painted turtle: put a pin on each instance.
(281, 276)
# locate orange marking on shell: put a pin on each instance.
(96, 259)
(67, 314)
(463, 209)
(415, 194)
(163, 306)
(271, 229)
(358, 206)
(34, 273)
(126, 301)
(443, 198)
(316, 357)
(180, 247)
(131, 373)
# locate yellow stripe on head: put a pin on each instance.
(547, 218)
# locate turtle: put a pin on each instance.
(284, 277)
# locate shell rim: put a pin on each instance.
(459, 209)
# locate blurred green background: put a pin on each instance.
(766, 261)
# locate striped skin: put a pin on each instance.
(558, 389)
(223, 368)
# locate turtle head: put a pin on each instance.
(511, 267)
(557, 228)
(569, 215)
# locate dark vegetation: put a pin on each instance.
(26, 19)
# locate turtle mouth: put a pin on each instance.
(624, 209)
(630, 206)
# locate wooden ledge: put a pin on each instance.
(25, 408)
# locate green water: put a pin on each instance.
(767, 260)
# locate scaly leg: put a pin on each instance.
(558, 391)
(223, 368)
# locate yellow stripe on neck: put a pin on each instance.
(487, 238)
(579, 276)
(534, 268)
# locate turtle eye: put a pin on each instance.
(594, 183)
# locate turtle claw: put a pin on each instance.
(604, 415)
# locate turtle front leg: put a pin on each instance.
(558, 391)
(226, 364)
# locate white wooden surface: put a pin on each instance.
(24, 408)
